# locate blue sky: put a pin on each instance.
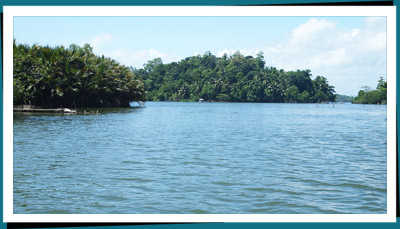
(349, 51)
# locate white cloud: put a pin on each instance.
(374, 42)
(244, 52)
(355, 32)
(229, 51)
(311, 30)
(138, 58)
(100, 39)
(349, 58)
(375, 22)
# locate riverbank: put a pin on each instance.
(34, 109)
(59, 110)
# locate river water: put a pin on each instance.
(185, 158)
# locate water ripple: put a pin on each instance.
(203, 158)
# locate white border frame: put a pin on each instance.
(12, 11)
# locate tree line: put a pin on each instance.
(75, 77)
(71, 77)
(344, 98)
(235, 78)
(368, 96)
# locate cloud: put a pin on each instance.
(244, 52)
(104, 44)
(311, 31)
(100, 39)
(375, 22)
(355, 32)
(138, 58)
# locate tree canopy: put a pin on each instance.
(76, 77)
(234, 78)
(72, 77)
(368, 96)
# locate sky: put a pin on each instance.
(349, 51)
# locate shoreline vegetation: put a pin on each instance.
(369, 96)
(75, 77)
(234, 78)
(71, 77)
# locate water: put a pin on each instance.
(210, 158)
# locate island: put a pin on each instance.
(73, 77)
(234, 78)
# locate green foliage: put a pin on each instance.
(344, 98)
(234, 78)
(72, 77)
(368, 96)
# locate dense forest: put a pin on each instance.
(369, 96)
(234, 78)
(72, 77)
(75, 77)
